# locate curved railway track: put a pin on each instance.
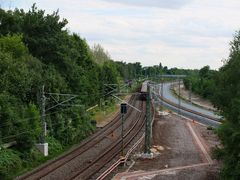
(189, 110)
(46, 170)
(202, 118)
(111, 152)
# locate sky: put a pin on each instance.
(177, 33)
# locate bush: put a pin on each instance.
(10, 163)
(54, 146)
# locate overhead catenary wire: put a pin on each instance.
(15, 135)
(30, 118)
(61, 103)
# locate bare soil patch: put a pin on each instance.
(178, 148)
(208, 137)
(175, 148)
(194, 173)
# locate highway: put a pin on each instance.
(167, 94)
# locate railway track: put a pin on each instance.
(111, 151)
(189, 110)
(202, 118)
(95, 140)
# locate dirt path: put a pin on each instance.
(181, 150)
(174, 143)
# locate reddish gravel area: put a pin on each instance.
(178, 153)
(195, 173)
(209, 138)
(177, 145)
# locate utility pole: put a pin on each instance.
(42, 146)
(190, 92)
(42, 111)
(162, 92)
(147, 122)
(179, 99)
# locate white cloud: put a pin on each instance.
(190, 34)
(170, 4)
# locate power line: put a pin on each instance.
(62, 104)
(15, 135)
(16, 122)
(30, 118)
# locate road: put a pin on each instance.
(167, 94)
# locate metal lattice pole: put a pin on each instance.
(162, 94)
(179, 99)
(42, 110)
(190, 92)
(147, 122)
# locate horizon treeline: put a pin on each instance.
(37, 50)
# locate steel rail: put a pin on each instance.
(123, 160)
(47, 169)
(115, 147)
(186, 109)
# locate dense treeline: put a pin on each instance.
(202, 82)
(35, 50)
(223, 89)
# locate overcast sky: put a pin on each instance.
(178, 33)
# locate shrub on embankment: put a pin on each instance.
(222, 88)
(35, 50)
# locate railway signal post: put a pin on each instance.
(123, 111)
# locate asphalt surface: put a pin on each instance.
(167, 94)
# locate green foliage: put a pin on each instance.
(20, 72)
(31, 129)
(11, 21)
(222, 88)
(202, 82)
(9, 162)
(14, 45)
(9, 112)
(227, 99)
(72, 126)
(129, 70)
(42, 33)
(35, 50)
(99, 54)
(54, 145)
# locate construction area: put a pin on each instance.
(181, 150)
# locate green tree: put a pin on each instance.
(227, 99)
(99, 54)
